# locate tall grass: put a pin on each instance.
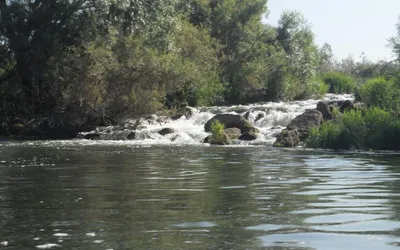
(372, 128)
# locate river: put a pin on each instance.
(119, 195)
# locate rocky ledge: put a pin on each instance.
(299, 128)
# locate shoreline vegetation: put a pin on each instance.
(70, 66)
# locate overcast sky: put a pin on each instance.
(349, 26)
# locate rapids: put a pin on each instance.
(269, 118)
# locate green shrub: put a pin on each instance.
(328, 135)
(373, 128)
(379, 92)
(217, 130)
(339, 83)
(378, 123)
(346, 132)
(316, 88)
(354, 130)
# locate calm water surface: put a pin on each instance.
(70, 195)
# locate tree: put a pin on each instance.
(394, 42)
(325, 59)
(295, 37)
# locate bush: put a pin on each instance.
(217, 130)
(380, 92)
(378, 123)
(316, 89)
(339, 83)
(328, 135)
(354, 130)
(373, 128)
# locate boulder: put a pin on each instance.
(259, 117)
(187, 112)
(166, 131)
(287, 138)
(221, 140)
(346, 105)
(335, 104)
(325, 109)
(231, 121)
(233, 133)
(304, 122)
(249, 136)
(246, 115)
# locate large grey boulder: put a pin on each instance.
(325, 109)
(231, 121)
(305, 122)
(287, 139)
(299, 128)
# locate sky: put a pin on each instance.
(351, 27)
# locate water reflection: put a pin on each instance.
(120, 197)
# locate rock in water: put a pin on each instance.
(111, 135)
(259, 117)
(187, 112)
(233, 133)
(298, 128)
(325, 109)
(249, 136)
(221, 140)
(304, 122)
(231, 121)
(287, 138)
(346, 105)
(166, 131)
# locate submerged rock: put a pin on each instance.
(231, 121)
(111, 136)
(287, 138)
(166, 131)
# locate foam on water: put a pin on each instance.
(47, 246)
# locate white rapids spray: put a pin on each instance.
(269, 118)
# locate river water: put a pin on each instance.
(121, 195)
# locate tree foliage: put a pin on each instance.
(113, 58)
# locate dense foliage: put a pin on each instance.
(373, 128)
(339, 83)
(81, 61)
